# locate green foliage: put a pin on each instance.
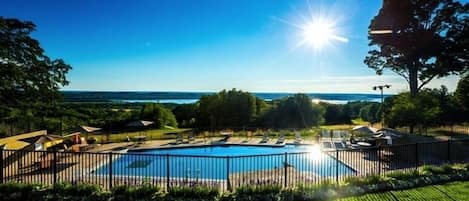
(159, 114)
(420, 110)
(326, 190)
(136, 193)
(371, 113)
(403, 175)
(27, 75)
(192, 193)
(462, 92)
(254, 193)
(228, 109)
(365, 180)
(186, 115)
(428, 40)
(296, 111)
(75, 190)
(336, 113)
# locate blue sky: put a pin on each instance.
(206, 45)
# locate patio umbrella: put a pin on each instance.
(140, 123)
(365, 129)
(88, 130)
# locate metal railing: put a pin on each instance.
(223, 172)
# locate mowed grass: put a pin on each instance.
(152, 134)
(447, 192)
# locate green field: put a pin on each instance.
(151, 134)
(452, 191)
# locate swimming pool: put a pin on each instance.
(217, 161)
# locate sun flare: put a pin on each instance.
(315, 154)
(320, 32)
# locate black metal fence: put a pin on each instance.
(223, 172)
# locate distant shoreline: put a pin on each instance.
(192, 97)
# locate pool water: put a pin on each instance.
(214, 162)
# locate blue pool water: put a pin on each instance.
(214, 162)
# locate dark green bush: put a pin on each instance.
(136, 193)
(252, 193)
(191, 193)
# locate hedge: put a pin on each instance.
(425, 175)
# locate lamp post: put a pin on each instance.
(381, 88)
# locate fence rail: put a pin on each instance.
(223, 172)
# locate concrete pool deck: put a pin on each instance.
(152, 144)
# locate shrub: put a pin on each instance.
(191, 193)
(133, 193)
(251, 193)
(401, 175)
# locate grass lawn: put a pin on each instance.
(451, 191)
(355, 122)
(152, 134)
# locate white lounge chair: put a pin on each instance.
(265, 138)
(281, 139)
(298, 137)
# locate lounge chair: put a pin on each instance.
(265, 138)
(179, 139)
(190, 137)
(281, 139)
(339, 145)
(298, 138)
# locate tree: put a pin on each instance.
(27, 75)
(186, 114)
(419, 110)
(336, 113)
(428, 40)
(234, 109)
(371, 113)
(462, 92)
(295, 111)
(159, 114)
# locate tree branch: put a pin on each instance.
(426, 82)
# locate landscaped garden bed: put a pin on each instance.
(353, 186)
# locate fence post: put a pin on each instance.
(337, 166)
(285, 165)
(378, 151)
(110, 170)
(417, 163)
(228, 183)
(1, 165)
(167, 172)
(449, 150)
(55, 167)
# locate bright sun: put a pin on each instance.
(320, 32)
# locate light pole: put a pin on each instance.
(381, 88)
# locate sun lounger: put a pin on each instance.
(179, 139)
(190, 137)
(298, 137)
(339, 145)
(265, 138)
(281, 139)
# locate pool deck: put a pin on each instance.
(154, 144)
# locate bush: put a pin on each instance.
(136, 193)
(191, 193)
(251, 193)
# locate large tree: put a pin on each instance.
(462, 92)
(420, 40)
(26, 73)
